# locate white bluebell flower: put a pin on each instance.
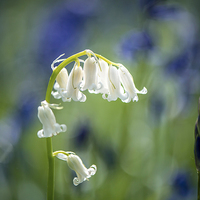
(73, 85)
(61, 85)
(115, 89)
(48, 120)
(90, 77)
(102, 75)
(128, 84)
(76, 164)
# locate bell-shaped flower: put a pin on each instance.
(128, 84)
(90, 78)
(114, 86)
(102, 77)
(48, 120)
(76, 164)
(61, 85)
(73, 85)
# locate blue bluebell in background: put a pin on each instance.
(64, 30)
(179, 64)
(157, 108)
(182, 187)
(135, 42)
(82, 134)
(164, 12)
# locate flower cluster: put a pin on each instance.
(96, 76)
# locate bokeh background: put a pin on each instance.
(143, 150)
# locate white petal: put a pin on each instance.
(60, 128)
(77, 76)
(90, 74)
(40, 133)
(56, 86)
(75, 79)
(114, 85)
(48, 120)
(92, 170)
(103, 76)
(57, 60)
(76, 181)
(46, 117)
(128, 84)
(62, 156)
(62, 78)
(143, 91)
(65, 99)
(56, 95)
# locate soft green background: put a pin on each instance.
(137, 154)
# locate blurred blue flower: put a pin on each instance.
(147, 4)
(63, 31)
(157, 108)
(10, 128)
(181, 69)
(179, 64)
(165, 12)
(82, 134)
(195, 50)
(109, 157)
(181, 184)
(182, 187)
(83, 7)
(26, 110)
(135, 42)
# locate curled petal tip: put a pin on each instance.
(92, 170)
(143, 91)
(57, 60)
(76, 181)
(40, 133)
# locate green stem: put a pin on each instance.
(67, 153)
(198, 197)
(51, 162)
(50, 185)
(105, 59)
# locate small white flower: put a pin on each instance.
(48, 120)
(102, 77)
(76, 164)
(128, 84)
(61, 85)
(73, 85)
(114, 86)
(90, 78)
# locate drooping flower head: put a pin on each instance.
(90, 76)
(73, 85)
(76, 164)
(115, 89)
(128, 84)
(61, 85)
(98, 75)
(102, 76)
(48, 120)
